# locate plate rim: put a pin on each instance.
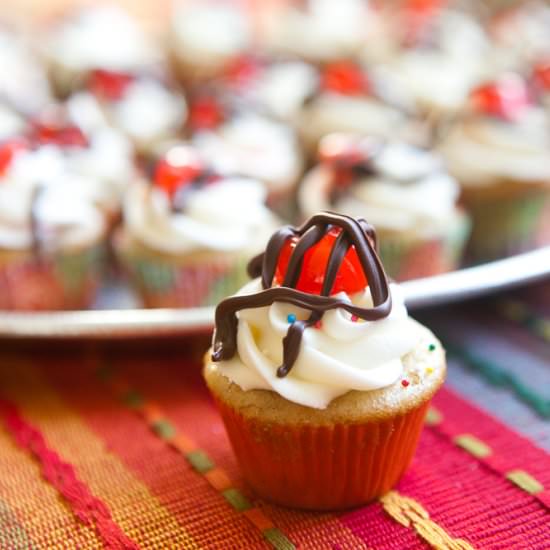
(105, 324)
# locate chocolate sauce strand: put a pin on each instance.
(356, 233)
(337, 254)
(269, 261)
(311, 237)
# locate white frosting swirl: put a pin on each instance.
(410, 192)
(323, 31)
(331, 112)
(482, 150)
(209, 35)
(65, 216)
(227, 216)
(340, 356)
(253, 146)
(149, 112)
(102, 37)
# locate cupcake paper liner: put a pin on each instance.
(503, 226)
(326, 467)
(62, 281)
(164, 283)
(406, 257)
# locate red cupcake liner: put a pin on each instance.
(66, 282)
(323, 467)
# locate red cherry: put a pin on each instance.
(344, 77)
(205, 113)
(350, 277)
(8, 151)
(506, 98)
(109, 84)
(52, 127)
(541, 74)
(179, 167)
(242, 70)
(418, 16)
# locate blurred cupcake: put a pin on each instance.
(278, 88)
(145, 109)
(188, 235)
(439, 55)
(319, 30)
(51, 242)
(316, 368)
(520, 32)
(24, 86)
(499, 152)
(402, 189)
(248, 144)
(349, 100)
(101, 160)
(97, 37)
(206, 36)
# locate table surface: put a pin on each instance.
(121, 447)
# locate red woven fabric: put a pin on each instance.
(146, 441)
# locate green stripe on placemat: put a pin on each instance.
(278, 539)
(200, 461)
(525, 481)
(236, 499)
(498, 376)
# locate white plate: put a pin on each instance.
(108, 324)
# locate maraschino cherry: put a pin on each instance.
(350, 277)
(507, 98)
(8, 151)
(205, 113)
(109, 85)
(241, 70)
(53, 127)
(344, 77)
(179, 167)
(541, 74)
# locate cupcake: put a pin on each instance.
(520, 32)
(24, 85)
(51, 239)
(319, 30)
(188, 234)
(278, 88)
(101, 159)
(402, 189)
(144, 109)
(321, 378)
(238, 142)
(206, 36)
(498, 152)
(439, 55)
(97, 37)
(349, 99)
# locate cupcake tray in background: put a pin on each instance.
(117, 316)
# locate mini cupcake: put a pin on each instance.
(101, 160)
(97, 37)
(404, 190)
(24, 85)
(520, 32)
(248, 144)
(278, 88)
(499, 154)
(188, 235)
(439, 55)
(206, 36)
(321, 378)
(319, 30)
(51, 241)
(349, 99)
(145, 109)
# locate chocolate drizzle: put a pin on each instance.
(354, 232)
